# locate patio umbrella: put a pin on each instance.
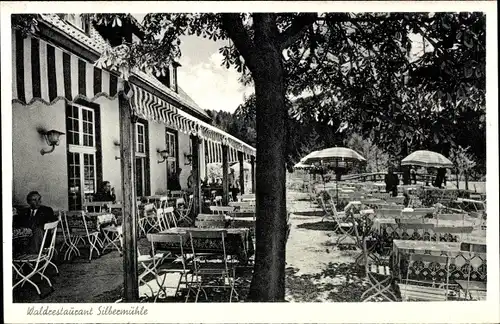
(301, 165)
(236, 167)
(427, 159)
(335, 157)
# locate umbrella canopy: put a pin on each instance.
(334, 155)
(236, 167)
(301, 165)
(427, 159)
(309, 156)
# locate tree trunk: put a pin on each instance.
(268, 282)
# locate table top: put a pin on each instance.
(435, 222)
(183, 230)
(471, 285)
(426, 245)
(21, 232)
(242, 214)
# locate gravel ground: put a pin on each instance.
(317, 270)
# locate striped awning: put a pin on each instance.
(44, 72)
(149, 106)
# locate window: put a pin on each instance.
(80, 126)
(140, 139)
(171, 141)
(141, 174)
(77, 21)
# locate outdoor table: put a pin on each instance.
(243, 214)
(458, 260)
(241, 222)
(99, 220)
(21, 238)
(238, 242)
(387, 229)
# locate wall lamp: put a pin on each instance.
(163, 155)
(52, 139)
(188, 159)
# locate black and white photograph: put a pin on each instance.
(330, 155)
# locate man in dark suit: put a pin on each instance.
(35, 217)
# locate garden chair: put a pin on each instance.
(148, 263)
(70, 240)
(218, 201)
(378, 275)
(96, 206)
(148, 219)
(419, 290)
(166, 219)
(84, 230)
(222, 210)
(345, 223)
(183, 211)
(221, 274)
(37, 263)
(170, 264)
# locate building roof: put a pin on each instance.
(97, 44)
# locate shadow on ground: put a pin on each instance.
(316, 213)
(337, 282)
(318, 226)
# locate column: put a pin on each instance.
(252, 164)
(242, 173)
(225, 175)
(197, 198)
(127, 158)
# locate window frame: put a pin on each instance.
(85, 28)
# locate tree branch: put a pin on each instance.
(233, 26)
(295, 30)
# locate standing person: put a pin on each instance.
(406, 175)
(190, 181)
(35, 217)
(440, 178)
(174, 182)
(413, 174)
(233, 185)
(105, 192)
(391, 182)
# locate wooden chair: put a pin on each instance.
(222, 210)
(183, 210)
(415, 290)
(378, 275)
(169, 264)
(345, 224)
(220, 274)
(84, 230)
(37, 263)
(96, 206)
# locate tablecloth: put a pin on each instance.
(387, 230)
(238, 243)
(21, 238)
(459, 261)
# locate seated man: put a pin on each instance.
(35, 217)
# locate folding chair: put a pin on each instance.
(220, 274)
(148, 263)
(37, 263)
(183, 212)
(148, 219)
(84, 230)
(166, 219)
(345, 224)
(218, 200)
(378, 275)
(113, 236)
(419, 290)
(222, 210)
(176, 264)
(96, 206)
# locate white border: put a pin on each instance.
(459, 312)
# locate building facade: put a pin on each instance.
(57, 86)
